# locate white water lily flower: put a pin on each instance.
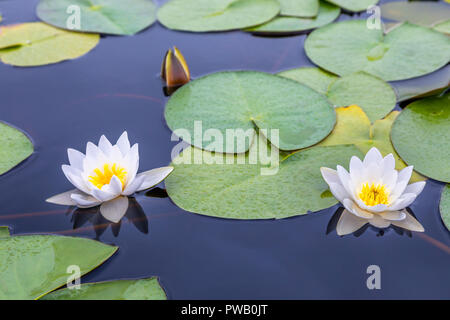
(373, 192)
(106, 176)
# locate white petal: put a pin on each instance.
(409, 223)
(329, 175)
(379, 222)
(345, 179)
(356, 170)
(103, 195)
(92, 151)
(132, 162)
(153, 177)
(115, 209)
(388, 162)
(105, 145)
(402, 182)
(133, 186)
(353, 208)
(115, 186)
(393, 215)
(401, 203)
(373, 173)
(75, 158)
(84, 201)
(378, 208)
(349, 223)
(338, 191)
(415, 188)
(373, 156)
(123, 143)
(63, 198)
(389, 179)
(74, 176)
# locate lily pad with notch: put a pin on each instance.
(100, 16)
(246, 101)
(36, 43)
(407, 51)
(216, 15)
(420, 136)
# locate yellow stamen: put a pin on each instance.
(101, 177)
(374, 194)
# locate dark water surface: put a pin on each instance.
(116, 87)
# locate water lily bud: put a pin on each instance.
(174, 69)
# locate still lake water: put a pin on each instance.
(116, 87)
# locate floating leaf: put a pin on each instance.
(353, 127)
(373, 95)
(315, 78)
(327, 14)
(420, 136)
(99, 16)
(443, 27)
(4, 232)
(14, 147)
(444, 206)
(424, 13)
(299, 8)
(35, 44)
(39, 263)
(143, 289)
(216, 15)
(247, 100)
(354, 5)
(427, 85)
(241, 191)
(407, 51)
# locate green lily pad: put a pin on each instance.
(354, 5)
(299, 8)
(143, 289)
(241, 190)
(39, 263)
(424, 13)
(280, 25)
(14, 147)
(4, 232)
(315, 78)
(373, 95)
(248, 100)
(430, 84)
(100, 16)
(36, 43)
(216, 15)
(420, 136)
(407, 51)
(443, 27)
(444, 206)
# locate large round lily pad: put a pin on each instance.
(100, 16)
(216, 15)
(243, 191)
(143, 289)
(32, 266)
(420, 136)
(247, 100)
(354, 5)
(36, 43)
(375, 96)
(299, 8)
(444, 206)
(14, 147)
(407, 51)
(280, 25)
